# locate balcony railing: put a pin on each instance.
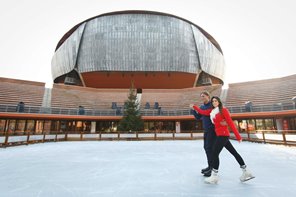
(144, 112)
(263, 108)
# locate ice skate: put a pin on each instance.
(205, 170)
(213, 179)
(247, 175)
(208, 172)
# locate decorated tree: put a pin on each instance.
(131, 120)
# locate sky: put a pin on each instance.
(257, 36)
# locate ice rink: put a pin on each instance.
(142, 168)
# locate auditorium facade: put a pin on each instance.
(169, 59)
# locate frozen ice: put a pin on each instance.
(142, 168)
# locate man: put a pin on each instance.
(209, 130)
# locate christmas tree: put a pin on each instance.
(131, 120)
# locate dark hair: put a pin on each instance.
(220, 106)
(205, 93)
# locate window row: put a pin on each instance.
(23, 127)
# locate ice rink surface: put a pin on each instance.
(142, 168)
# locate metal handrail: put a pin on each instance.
(144, 112)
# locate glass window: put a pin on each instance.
(30, 126)
(242, 125)
(259, 124)
(106, 126)
(169, 126)
(292, 123)
(150, 126)
(251, 125)
(20, 127)
(2, 127)
(39, 127)
(269, 124)
(87, 126)
(54, 127)
(63, 127)
(71, 126)
(158, 125)
(146, 126)
(79, 126)
(191, 125)
(11, 127)
(47, 124)
(235, 122)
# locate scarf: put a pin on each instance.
(213, 113)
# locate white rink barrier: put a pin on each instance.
(13, 139)
(2, 140)
(285, 137)
(36, 137)
(274, 137)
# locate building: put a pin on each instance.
(169, 59)
(155, 50)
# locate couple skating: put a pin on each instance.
(216, 120)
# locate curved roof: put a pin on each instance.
(142, 43)
(209, 37)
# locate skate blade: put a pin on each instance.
(211, 183)
(249, 178)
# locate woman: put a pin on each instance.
(219, 115)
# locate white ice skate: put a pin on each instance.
(247, 175)
(213, 179)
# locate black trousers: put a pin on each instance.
(223, 141)
(209, 140)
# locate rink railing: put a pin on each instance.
(144, 112)
(12, 140)
(283, 137)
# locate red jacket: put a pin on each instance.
(221, 130)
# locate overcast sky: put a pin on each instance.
(258, 37)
